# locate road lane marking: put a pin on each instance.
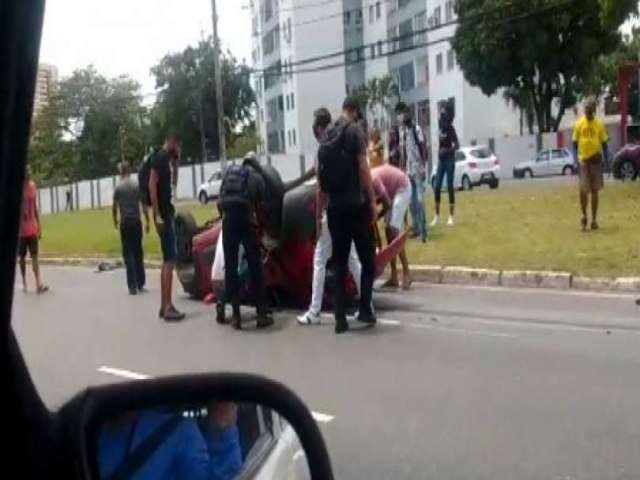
(128, 374)
(464, 331)
(118, 372)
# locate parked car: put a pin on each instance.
(626, 162)
(475, 166)
(210, 189)
(556, 161)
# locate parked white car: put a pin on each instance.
(475, 166)
(556, 161)
(210, 189)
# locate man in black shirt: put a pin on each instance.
(351, 217)
(164, 177)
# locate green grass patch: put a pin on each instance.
(533, 227)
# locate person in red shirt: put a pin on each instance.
(30, 233)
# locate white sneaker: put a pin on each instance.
(435, 221)
(450, 222)
(309, 318)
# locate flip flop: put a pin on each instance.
(407, 285)
(42, 289)
(390, 284)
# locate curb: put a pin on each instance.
(435, 274)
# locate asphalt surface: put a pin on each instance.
(455, 383)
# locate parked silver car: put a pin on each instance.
(556, 161)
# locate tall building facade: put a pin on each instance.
(352, 42)
(45, 86)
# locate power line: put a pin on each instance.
(268, 71)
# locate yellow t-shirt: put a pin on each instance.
(376, 155)
(589, 135)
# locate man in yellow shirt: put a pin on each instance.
(590, 143)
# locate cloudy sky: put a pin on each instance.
(130, 36)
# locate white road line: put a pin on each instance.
(463, 330)
(118, 372)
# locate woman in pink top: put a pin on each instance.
(393, 189)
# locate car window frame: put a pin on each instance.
(460, 156)
(547, 154)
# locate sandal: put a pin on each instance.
(406, 284)
(583, 224)
(390, 284)
(42, 289)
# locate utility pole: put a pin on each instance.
(219, 105)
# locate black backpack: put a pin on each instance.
(337, 173)
(144, 172)
(235, 186)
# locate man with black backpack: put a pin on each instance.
(344, 176)
(241, 190)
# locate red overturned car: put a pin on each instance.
(286, 223)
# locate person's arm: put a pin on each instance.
(367, 184)
(36, 213)
(604, 138)
(114, 209)
(321, 205)
(575, 138)
(455, 143)
(145, 213)
(153, 196)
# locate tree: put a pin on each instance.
(383, 91)
(186, 104)
(502, 44)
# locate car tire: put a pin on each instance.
(186, 229)
(567, 170)
(494, 184)
(203, 198)
(466, 184)
(627, 171)
(528, 173)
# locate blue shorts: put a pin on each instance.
(168, 241)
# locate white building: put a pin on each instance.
(359, 40)
(45, 86)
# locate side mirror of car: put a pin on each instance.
(219, 426)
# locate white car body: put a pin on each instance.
(555, 161)
(476, 165)
(210, 189)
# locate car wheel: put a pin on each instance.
(466, 184)
(528, 173)
(203, 198)
(568, 170)
(628, 171)
(494, 184)
(186, 229)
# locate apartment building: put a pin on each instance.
(45, 86)
(358, 40)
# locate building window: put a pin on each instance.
(378, 10)
(450, 60)
(347, 17)
(406, 34)
(407, 77)
(403, 3)
(439, 65)
(268, 10)
(286, 30)
(289, 136)
(448, 11)
(372, 49)
(379, 47)
(420, 21)
(282, 144)
(358, 17)
(288, 106)
(280, 103)
(437, 16)
(294, 137)
(293, 103)
(392, 38)
(371, 13)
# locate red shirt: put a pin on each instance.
(28, 219)
(388, 181)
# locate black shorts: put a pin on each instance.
(28, 243)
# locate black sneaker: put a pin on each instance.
(173, 315)
(368, 318)
(133, 291)
(220, 314)
(236, 322)
(341, 327)
(161, 313)
(142, 289)
(264, 320)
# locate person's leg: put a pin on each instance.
(138, 255)
(393, 277)
(321, 256)
(22, 254)
(231, 245)
(585, 186)
(249, 241)
(339, 228)
(420, 209)
(170, 254)
(597, 182)
(126, 239)
(365, 246)
(440, 171)
(450, 171)
(355, 268)
(35, 264)
(595, 200)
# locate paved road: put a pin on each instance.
(455, 383)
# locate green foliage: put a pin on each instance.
(188, 98)
(376, 96)
(541, 50)
(243, 142)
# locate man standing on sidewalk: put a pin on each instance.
(30, 233)
(345, 177)
(414, 153)
(126, 199)
(590, 142)
(163, 177)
